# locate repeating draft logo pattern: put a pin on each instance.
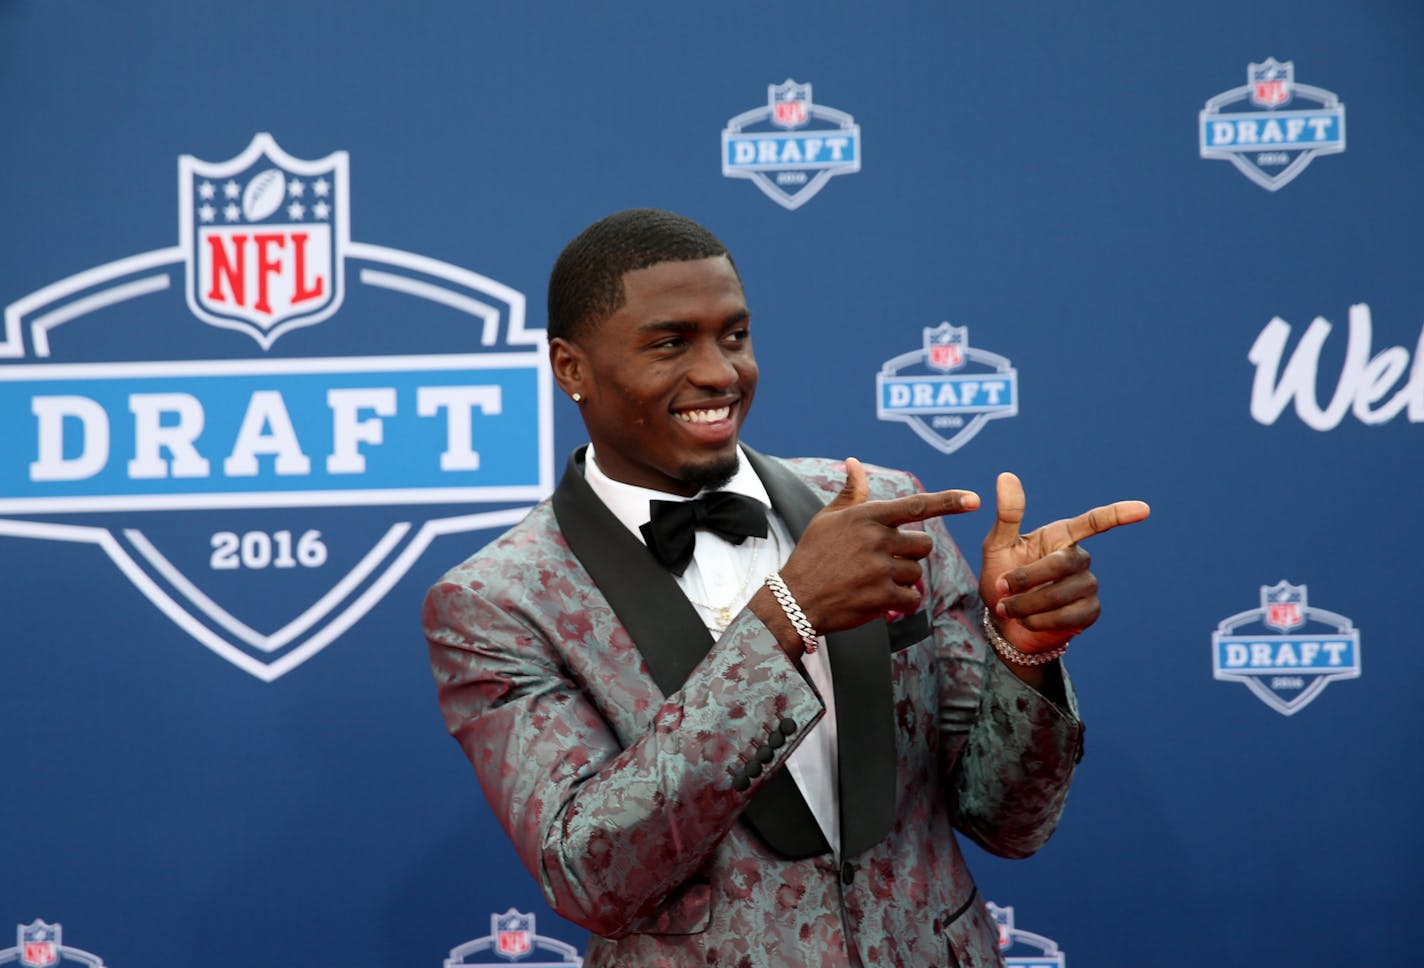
(41, 945)
(513, 940)
(791, 147)
(1286, 652)
(1271, 127)
(216, 481)
(947, 390)
(1024, 949)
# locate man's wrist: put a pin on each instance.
(765, 606)
(1031, 667)
(810, 638)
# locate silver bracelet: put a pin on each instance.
(1006, 648)
(809, 639)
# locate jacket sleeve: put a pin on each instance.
(1010, 751)
(609, 832)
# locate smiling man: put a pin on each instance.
(666, 379)
(732, 709)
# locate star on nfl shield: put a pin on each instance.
(264, 235)
(39, 944)
(513, 933)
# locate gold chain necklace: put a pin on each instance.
(723, 614)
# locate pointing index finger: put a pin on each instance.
(921, 507)
(1105, 518)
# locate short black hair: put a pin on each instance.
(586, 284)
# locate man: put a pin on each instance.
(722, 738)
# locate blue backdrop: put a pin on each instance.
(247, 418)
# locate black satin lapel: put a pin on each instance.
(661, 621)
(865, 735)
(779, 815)
(860, 670)
(671, 638)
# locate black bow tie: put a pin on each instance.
(671, 534)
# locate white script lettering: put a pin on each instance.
(1364, 381)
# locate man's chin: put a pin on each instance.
(712, 474)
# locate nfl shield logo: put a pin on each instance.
(39, 945)
(1283, 606)
(790, 104)
(263, 234)
(945, 346)
(513, 933)
(1271, 82)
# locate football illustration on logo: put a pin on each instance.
(264, 194)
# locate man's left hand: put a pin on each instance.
(1037, 585)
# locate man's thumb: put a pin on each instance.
(856, 488)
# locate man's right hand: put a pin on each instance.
(854, 564)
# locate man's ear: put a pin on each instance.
(570, 366)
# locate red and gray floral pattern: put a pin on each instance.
(621, 801)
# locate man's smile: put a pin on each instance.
(705, 416)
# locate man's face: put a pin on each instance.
(667, 379)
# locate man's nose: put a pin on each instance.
(711, 367)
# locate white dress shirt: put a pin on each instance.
(719, 582)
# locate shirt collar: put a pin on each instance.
(629, 502)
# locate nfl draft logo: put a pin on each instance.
(265, 455)
(791, 147)
(1024, 949)
(1286, 652)
(39, 945)
(512, 939)
(947, 390)
(1247, 126)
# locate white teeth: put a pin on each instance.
(705, 416)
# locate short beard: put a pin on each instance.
(710, 476)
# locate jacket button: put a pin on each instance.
(788, 726)
(753, 769)
(776, 741)
(764, 754)
(847, 872)
(740, 782)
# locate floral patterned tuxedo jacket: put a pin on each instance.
(636, 763)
